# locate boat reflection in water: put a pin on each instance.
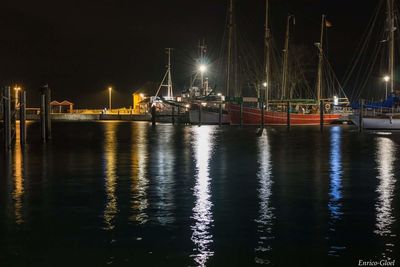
(385, 157)
(139, 180)
(110, 171)
(266, 216)
(335, 188)
(202, 214)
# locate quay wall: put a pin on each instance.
(92, 117)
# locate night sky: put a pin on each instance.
(81, 47)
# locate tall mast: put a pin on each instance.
(267, 53)
(203, 49)
(230, 26)
(170, 94)
(285, 59)
(321, 57)
(392, 28)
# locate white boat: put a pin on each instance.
(377, 120)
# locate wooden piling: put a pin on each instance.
(43, 116)
(200, 110)
(173, 115)
(361, 115)
(179, 115)
(48, 112)
(288, 122)
(7, 117)
(321, 115)
(241, 114)
(220, 114)
(262, 113)
(22, 117)
(153, 115)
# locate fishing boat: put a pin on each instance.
(262, 110)
(383, 115)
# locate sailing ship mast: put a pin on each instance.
(230, 27)
(321, 59)
(286, 58)
(390, 6)
(167, 77)
(267, 55)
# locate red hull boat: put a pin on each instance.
(252, 116)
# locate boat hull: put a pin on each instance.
(375, 123)
(207, 117)
(252, 116)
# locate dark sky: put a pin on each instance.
(81, 47)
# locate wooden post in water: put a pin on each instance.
(153, 115)
(7, 117)
(220, 114)
(179, 115)
(43, 116)
(262, 113)
(321, 115)
(361, 115)
(200, 108)
(173, 115)
(241, 113)
(288, 115)
(22, 117)
(48, 112)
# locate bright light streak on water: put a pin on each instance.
(266, 216)
(385, 157)
(110, 172)
(18, 192)
(335, 188)
(202, 214)
(139, 156)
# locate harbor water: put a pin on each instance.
(129, 194)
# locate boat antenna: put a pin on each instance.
(167, 77)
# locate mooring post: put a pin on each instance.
(48, 112)
(43, 116)
(241, 113)
(200, 110)
(179, 114)
(288, 122)
(220, 114)
(22, 116)
(7, 117)
(262, 113)
(361, 115)
(321, 115)
(173, 115)
(153, 115)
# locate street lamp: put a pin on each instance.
(109, 98)
(386, 79)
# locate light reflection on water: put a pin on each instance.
(385, 158)
(139, 159)
(266, 216)
(18, 192)
(110, 171)
(335, 187)
(202, 214)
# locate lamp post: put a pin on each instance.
(109, 98)
(386, 79)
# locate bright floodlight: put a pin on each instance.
(110, 89)
(203, 68)
(386, 78)
(265, 84)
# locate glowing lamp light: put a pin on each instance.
(219, 94)
(265, 84)
(386, 78)
(203, 68)
(335, 100)
(204, 104)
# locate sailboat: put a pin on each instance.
(383, 115)
(279, 111)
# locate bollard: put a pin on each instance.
(321, 115)
(22, 117)
(288, 122)
(153, 115)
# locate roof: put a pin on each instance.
(64, 103)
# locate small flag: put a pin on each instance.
(328, 24)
